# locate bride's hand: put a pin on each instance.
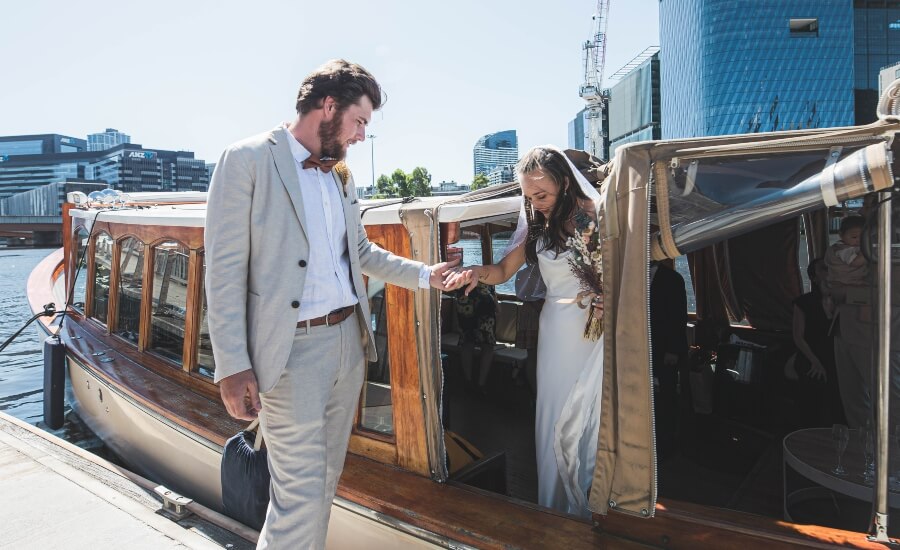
(466, 276)
(456, 278)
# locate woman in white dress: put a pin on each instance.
(557, 203)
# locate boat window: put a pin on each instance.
(103, 247)
(170, 280)
(206, 363)
(131, 266)
(376, 410)
(499, 242)
(79, 249)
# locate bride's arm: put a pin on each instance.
(490, 274)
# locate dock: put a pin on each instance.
(56, 495)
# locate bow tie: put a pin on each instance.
(325, 165)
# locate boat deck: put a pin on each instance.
(59, 496)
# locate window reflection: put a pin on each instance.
(131, 266)
(376, 412)
(103, 246)
(206, 363)
(79, 290)
(170, 280)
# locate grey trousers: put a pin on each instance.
(305, 422)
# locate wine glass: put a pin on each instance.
(868, 453)
(841, 436)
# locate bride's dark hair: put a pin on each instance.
(552, 232)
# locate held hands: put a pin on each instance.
(240, 394)
(441, 274)
(464, 276)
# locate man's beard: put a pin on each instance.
(328, 136)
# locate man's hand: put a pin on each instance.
(439, 273)
(817, 371)
(240, 393)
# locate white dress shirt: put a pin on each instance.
(328, 285)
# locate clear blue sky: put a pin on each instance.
(198, 75)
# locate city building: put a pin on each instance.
(576, 131)
(742, 66)
(504, 173)
(106, 140)
(634, 107)
(876, 44)
(492, 150)
(446, 188)
(888, 75)
(28, 162)
(46, 200)
(39, 144)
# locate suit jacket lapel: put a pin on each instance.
(349, 222)
(287, 171)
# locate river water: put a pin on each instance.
(21, 364)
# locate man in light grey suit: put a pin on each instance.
(285, 255)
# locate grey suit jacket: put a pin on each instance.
(256, 249)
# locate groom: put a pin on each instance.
(286, 251)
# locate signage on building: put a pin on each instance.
(65, 140)
(142, 155)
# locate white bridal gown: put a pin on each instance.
(569, 376)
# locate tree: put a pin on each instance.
(385, 187)
(480, 181)
(420, 182)
(401, 182)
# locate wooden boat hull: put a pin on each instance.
(190, 465)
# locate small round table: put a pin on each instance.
(812, 454)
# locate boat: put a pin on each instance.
(429, 462)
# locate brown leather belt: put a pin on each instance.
(332, 318)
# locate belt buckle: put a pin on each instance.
(327, 321)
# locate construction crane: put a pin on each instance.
(594, 57)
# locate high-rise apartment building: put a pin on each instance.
(742, 66)
(102, 141)
(495, 150)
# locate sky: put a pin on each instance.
(198, 75)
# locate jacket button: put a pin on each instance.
(295, 304)
(302, 263)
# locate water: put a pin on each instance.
(21, 363)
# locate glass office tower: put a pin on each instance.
(743, 66)
(876, 45)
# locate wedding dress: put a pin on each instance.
(569, 376)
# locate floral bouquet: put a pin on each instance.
(587, 266)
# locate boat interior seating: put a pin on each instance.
(505, 350)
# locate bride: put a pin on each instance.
(558, 202)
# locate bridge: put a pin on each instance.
(31, 230)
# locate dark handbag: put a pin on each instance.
(245, 477)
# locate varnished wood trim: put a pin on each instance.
(155, 363)
(684, 525)
(67, 247)
(89, 273)
(112, 303)
(192, 319)
(381, 451)
(409, 418)
(147, 268)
